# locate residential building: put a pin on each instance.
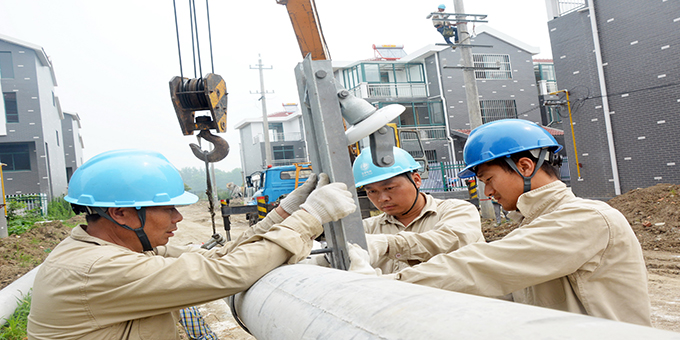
(286, 138)
(73, 142)
(32, 128)
(429, 83)
(620, 62)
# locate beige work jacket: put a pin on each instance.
(442, 226)
(88, 288)
(568, 253)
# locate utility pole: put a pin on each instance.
(265, 121)
(472, 96)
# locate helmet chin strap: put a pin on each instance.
(410, 178)
(527, 180)
(141, 213)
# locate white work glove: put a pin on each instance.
(292, 202)
(330, 203)
(377, 247)
(358, 261)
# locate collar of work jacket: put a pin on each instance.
(430, 207)
(541, 200)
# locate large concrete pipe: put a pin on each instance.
(310, 302)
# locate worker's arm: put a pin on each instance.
(551, 246)
(458, 225)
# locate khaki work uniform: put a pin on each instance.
(569, 254)
(442, 226)
(88, 288)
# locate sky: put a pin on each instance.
(113, 60)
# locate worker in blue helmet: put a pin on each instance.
(117, 277)
(413, 226)
(568, 253)
(443, 26)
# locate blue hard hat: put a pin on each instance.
(365, 172)
(442, 6)
(128, 178)
(503, 138)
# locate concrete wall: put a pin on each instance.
(640, 47)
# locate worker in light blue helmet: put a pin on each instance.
(445, 27)
(568, 253)
(119, 277)
(413, 226)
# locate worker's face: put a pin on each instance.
(440, 9)
(394, 196)
(504, 186)
(160, 224)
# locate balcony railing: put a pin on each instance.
(390, 90)
(425, 133)
(279, 137)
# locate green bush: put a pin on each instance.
(59, 209)
(15, 327)
(18, 222)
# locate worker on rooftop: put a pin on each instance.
(414, 226)
(568, 253)
(446, 28)
(117, 278)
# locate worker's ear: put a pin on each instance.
(526, 166)
(119, 215)
(417, 179)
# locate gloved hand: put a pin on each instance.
(358, 261)
(330, 203)
(377, 246)
(292, 202)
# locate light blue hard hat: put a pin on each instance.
(442, 6)
(365, 172)
(503, 138)
(128, 178)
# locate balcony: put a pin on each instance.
(390, 90)
(279, 137)
(425, 133)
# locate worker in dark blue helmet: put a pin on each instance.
(413, 226)
(568, 253)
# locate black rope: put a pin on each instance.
(207, 10)
(193, 44)
(198, 45)
(179, 51)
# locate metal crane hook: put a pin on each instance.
(219, 152)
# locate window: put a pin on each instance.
(290, 174)
(16, 156)
(284, 152)
(6, 65)
(421, 114)
(11, 111)
(372, 72)
(492, 66)
(497, 109)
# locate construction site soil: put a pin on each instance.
(653, 213)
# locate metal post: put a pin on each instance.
(3, 215)
(472, 96)
(265, 121)
(328, 150)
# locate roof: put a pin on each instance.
(39, 52)
(276, 117)
(510, 40)
(552, 131)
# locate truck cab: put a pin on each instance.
(277, 181)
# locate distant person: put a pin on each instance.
(568, 253)
(414, 226)
(444, 26)
(117, 278)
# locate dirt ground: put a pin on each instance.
(652, 212)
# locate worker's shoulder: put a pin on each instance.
(450, 202)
